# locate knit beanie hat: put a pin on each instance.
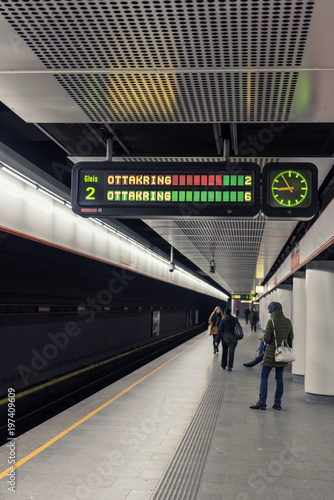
(274, 306)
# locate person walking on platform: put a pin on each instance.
(247, 313)
(237, 312)
(214, 321)
(226, 333)
(254, 318)
(284, 331)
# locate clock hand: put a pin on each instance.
(286, 182)
(285, 189)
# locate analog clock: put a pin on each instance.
(290, 188)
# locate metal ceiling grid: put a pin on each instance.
(170, 61)
(233, 244)
(243, 250)
(225, 240)
(168, 159)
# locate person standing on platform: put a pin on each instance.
(226, 333)
(247, 313)
(214, 321)
(254, 318)
(284, 331)
(237, 312)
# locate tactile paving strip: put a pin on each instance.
(182, 478)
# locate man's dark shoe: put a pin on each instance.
(248, 365)
(230, 369)
(258, 406)
(223, 367)
(277, 407)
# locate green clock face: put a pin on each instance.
(290, 188)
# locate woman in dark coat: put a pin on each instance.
(214, 321)
(226, 333)
(284, 331)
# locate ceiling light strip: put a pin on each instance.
(98, 222)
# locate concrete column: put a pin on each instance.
(299, 324)
(261, 309)
(319, 349)
(284, 296)
(264, 316)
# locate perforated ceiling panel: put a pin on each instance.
(176, 97)
(170, 60)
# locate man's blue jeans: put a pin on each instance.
(264, 384)
(256, 361)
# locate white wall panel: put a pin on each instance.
(318, 237)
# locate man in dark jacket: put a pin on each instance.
(226, 333)
(254, 318)
(284, 331)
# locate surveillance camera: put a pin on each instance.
(171, 267)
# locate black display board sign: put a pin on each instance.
(158, 190)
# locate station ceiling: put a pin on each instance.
(174, 81)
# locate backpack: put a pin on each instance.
(238, 332)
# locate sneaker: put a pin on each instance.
(258, 406)
(277, 407)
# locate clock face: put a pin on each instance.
(290, 188)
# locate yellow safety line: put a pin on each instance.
(81, 421)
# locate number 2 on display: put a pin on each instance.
(91, 191)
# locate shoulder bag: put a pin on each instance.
(283, 353)
(238, 332)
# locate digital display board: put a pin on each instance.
(290, 190)
(146, 190)
(243, 297)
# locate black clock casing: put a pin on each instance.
(290, 190)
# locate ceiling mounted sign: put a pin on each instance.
(157, 190)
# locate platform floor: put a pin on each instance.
(181, 428)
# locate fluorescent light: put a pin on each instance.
(96, 221)
(51, 195)
(19, 177)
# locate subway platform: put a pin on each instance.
(180, 428)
